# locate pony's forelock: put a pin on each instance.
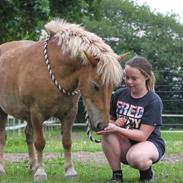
(74, 39)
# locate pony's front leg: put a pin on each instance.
(70, 172)
(3, 118)
(39, 143)
(30, 146)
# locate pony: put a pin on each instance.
(45, 78)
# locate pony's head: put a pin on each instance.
(96, 83)
(99, 70)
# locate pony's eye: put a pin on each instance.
(95, 86)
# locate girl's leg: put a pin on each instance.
(142, 155)
(115, 148)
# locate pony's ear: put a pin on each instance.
(93, 60)
(121, 57)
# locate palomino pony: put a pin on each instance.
(46, 78)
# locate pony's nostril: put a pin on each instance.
(100, 126)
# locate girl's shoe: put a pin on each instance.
(147, 175)
(116, 178)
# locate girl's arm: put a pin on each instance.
(139, 135)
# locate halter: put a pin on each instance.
(89, 130)
(64, 91)
(53, 78)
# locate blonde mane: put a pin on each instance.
(74, 39)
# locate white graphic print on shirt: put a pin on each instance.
(132, 113)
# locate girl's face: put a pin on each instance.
(135, 80)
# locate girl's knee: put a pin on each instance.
(138, 160)
(132, 159)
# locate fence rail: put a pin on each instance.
(15, 124)
(172, 115)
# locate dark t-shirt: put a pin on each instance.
(145, 110)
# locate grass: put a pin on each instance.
(174, 142)
(53, 142)
(89, 172)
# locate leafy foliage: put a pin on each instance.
(127, 26)
(123, 24)
(22, 19)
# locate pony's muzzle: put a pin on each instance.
(100, 126)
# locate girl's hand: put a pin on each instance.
(112, 127)
(120, 122)
(109, 129)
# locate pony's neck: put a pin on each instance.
(64, 69)
(69, 80)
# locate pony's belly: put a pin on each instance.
(11, 103)
(14, 110)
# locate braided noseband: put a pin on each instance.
(89, 131)
(53, 78)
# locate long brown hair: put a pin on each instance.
(144, 66)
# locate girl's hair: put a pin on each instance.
(144, 66)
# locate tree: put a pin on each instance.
(73, 10)
(127, 26)
(123, 24)
(22, 19)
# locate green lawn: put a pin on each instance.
(90, 172)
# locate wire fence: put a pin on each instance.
(15, 125)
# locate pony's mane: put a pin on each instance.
(74, 39)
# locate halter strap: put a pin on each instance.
(89, 130)
(53, 78)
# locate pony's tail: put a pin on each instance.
(43, 34)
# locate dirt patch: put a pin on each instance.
(85, 157)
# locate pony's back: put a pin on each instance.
(13, 45)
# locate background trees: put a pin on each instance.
(121, 23)
(129, 27)
(22, 19)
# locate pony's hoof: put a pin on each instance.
(32, 169)
(71, 174)
(2, 171)
(40, 175)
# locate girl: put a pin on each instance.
(133, 135)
